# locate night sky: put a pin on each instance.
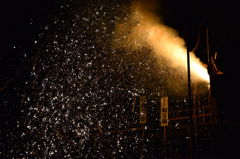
(23, 26)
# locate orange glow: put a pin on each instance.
(143, 29)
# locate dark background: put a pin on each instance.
(22, 21)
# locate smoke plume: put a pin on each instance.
(144, 29)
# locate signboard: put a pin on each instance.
(143, 115)
(164, 111)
